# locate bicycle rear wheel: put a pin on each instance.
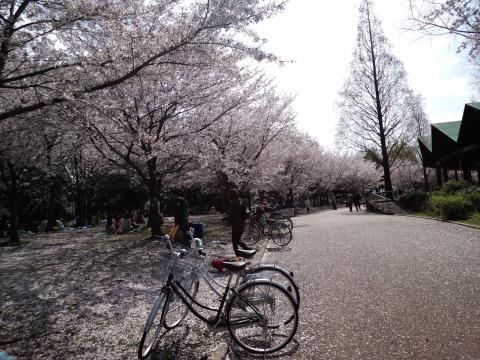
(252, 235)
(177, 309)
(280, 234)
(154, 327)
(278, 275)
(262, 317)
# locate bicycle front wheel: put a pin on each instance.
(281, 234)
(289, 223)
(154, 327)
(177, 309)
(262, 316)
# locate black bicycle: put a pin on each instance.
(260, 314)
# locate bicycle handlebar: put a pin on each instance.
(183, 252)
(168, 243)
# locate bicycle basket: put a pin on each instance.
(185, 269)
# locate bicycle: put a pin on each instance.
(260, 226)
(268, 270)
(260, 314)
(279, 215)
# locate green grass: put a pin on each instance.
(474, 220)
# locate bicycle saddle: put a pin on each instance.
(245, 253)
(234, 265)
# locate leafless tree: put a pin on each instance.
(376, 103)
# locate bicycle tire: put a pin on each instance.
(155, 323)
(252, 235)
(281, 234)
(289, 223)
(177, 309)
(284, 279)
(281, 304)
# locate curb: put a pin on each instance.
(445, 221)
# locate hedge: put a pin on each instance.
(451, 207)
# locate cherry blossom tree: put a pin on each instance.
(243, 137)
(53, 52)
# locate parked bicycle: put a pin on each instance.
(260, 314)
(280, 215)
(260, 226)
(266, 270)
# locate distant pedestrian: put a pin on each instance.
(334, 202)
(237, 215)
(349, 201)
(289, 202)
(356, 201)
(307, 205)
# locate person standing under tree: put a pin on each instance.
(237, 216)
(181, 214)
(307, 205)
(349, 201)
(356, 201)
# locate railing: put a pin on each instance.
(380, 202)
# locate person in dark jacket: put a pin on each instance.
(237, 216)
(356, 201)
(181, 214)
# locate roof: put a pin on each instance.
(454, 144)
(475, 105)
(427, 141)
(450, 128)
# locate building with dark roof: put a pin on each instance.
(454, 145)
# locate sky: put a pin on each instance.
(318, 37)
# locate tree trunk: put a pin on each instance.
(445, 174)
(425, 178)
(383, 143)
(80, 219)
(13, 202)
(51, 208)
(439, 176)
(155, 219)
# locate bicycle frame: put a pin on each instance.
(180, 291)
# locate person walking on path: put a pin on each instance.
(356, 201)
(181, 214)
(349, 201)
(237, 215)
(307, 205)
(334, 202)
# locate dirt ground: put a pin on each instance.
(85, 294)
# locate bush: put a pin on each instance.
(414, 201)
(451, 207)
(474, 198)
(452, 186)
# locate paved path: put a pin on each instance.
(385, 287)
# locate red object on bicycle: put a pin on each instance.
(218, 263)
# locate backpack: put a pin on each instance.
(245, 213)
